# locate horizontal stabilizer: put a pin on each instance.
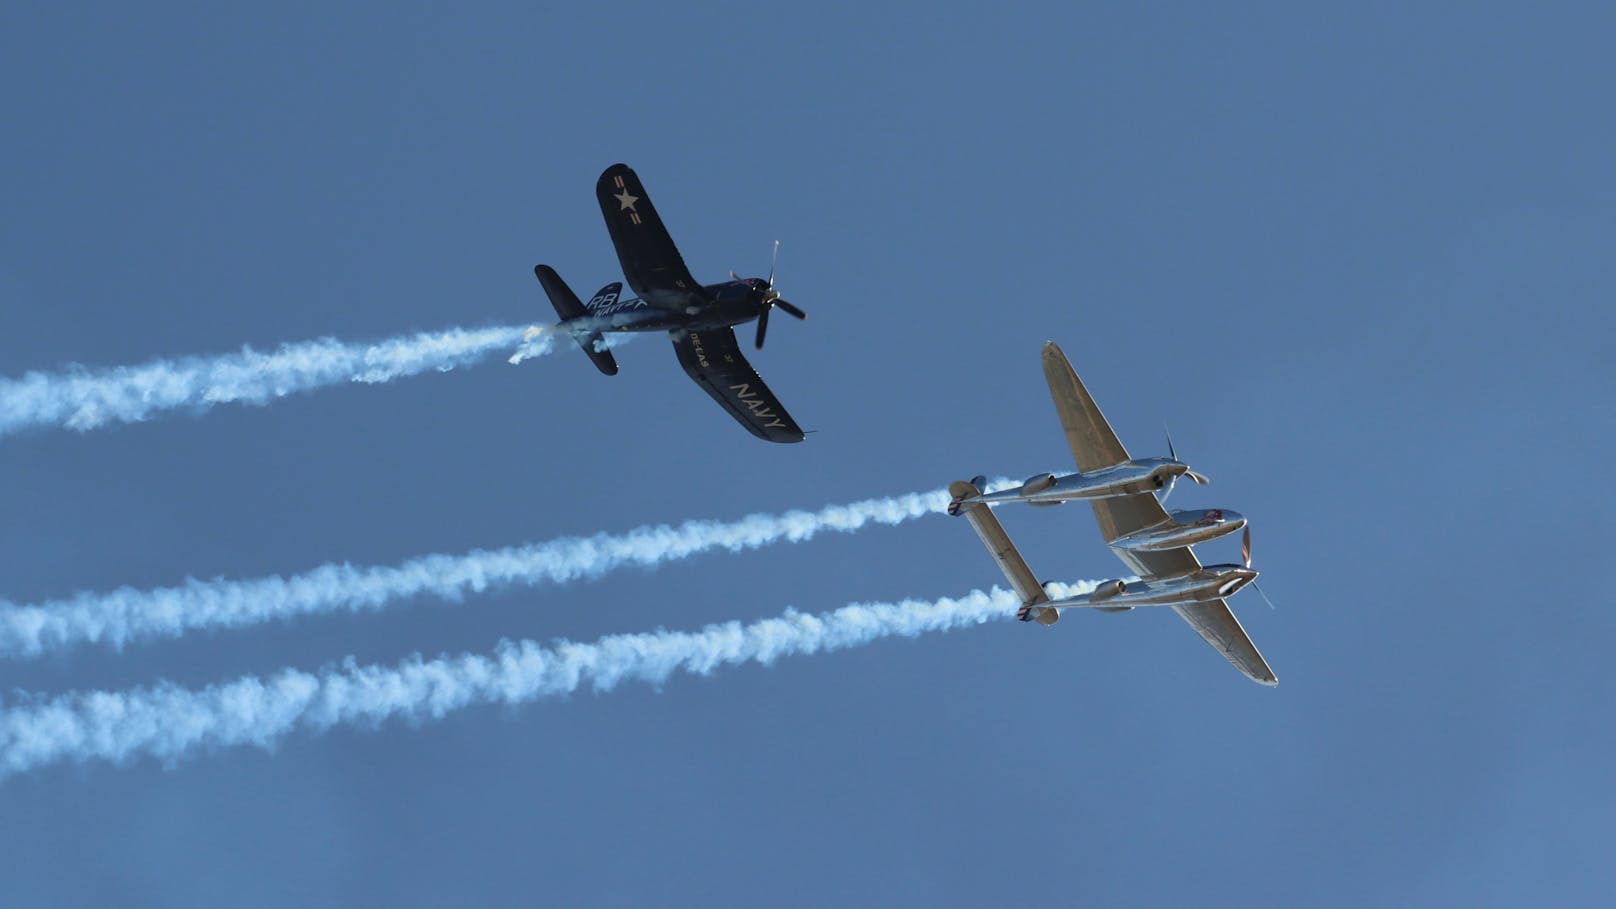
(998, 544)
(569, 308)
(595, 346)
(566, 303)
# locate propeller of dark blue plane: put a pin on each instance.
(771, 299)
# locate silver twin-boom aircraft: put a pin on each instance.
(1150, 541)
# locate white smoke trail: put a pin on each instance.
(127, 615)
(84, 399)
(169, 722)
(537, 341)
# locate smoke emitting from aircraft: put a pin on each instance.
(169, 722)
(85, 399)
(538, 340)
(127, 615)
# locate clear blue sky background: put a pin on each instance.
(1360, 262)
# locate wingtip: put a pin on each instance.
(619, 167)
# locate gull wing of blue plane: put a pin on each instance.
(651, 262)
(713, 358)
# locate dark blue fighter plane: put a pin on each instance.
(698, 318)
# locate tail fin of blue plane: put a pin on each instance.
(569, 308)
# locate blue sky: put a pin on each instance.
(1358, 261)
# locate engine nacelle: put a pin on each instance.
(1107, 590)
(1037, 483)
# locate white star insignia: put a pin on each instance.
(626, 200)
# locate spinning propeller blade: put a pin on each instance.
(771, 299)
(1245, 553)
(1264, 596)
(1199, 478)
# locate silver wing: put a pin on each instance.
(1095, 447)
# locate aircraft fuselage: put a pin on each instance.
(1182, 528)
(714, 306)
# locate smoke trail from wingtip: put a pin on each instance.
(127, 615)
(84, 399)
(169, 722)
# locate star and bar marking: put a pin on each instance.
(626, 200)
